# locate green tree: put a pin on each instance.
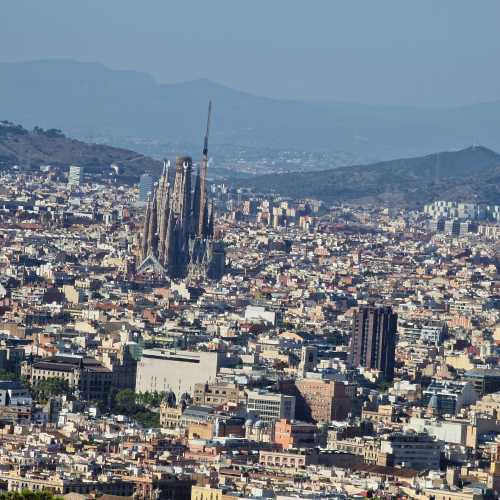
(28, 495)
(125, 402)
(51, 387)
(149, 398)
(134, 405)
(148, 418)
(6, 375)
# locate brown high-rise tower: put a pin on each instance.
(373, 340)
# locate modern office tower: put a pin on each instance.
(373, 340)
(178, 235)
(75, 176)
(145, 187)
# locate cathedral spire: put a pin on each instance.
(186, 194)
(145, 234)
(167, 249)
(206, 217)
(210, 229)
(153, 224)
(163, 225)
(163, 188)
(196, 204)
(166, 166)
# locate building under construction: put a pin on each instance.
(178, 235)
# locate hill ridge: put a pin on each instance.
(470, 174)
(31, 149)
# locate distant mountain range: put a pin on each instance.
(89, 99)
(472, 174)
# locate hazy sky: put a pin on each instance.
(424, 52)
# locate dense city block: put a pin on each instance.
(156, 342)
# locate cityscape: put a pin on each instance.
(251, 323)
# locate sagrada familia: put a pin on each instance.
(178, 236)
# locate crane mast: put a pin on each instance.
(203, 177)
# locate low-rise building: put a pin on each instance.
(288, 459)
(179, 371)
(484, 381)
(412, 450)
(271, 406)
(87, 375)
(322, 400)
(294, 434)
(449, 396)
(216, 394)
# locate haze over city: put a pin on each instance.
(395, 52)
(249, 250)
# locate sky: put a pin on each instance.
(396, 52)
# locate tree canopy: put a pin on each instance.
(51, 387)
(28, 495)
(133, 405)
